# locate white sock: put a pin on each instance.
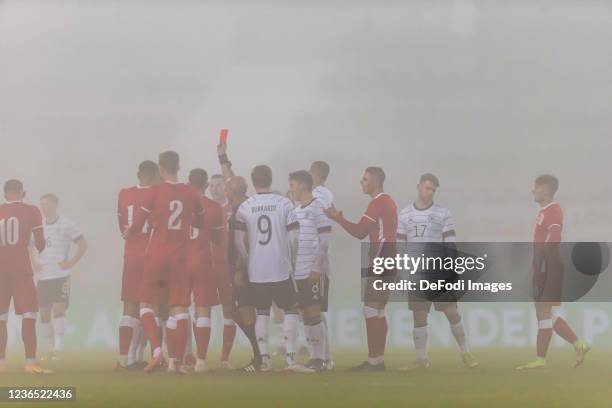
(327, 353)
(59, 329)
(459, 333)
(134, 323)
(262, 330)
(142, 343)
(126, 321)
(420, 335)
(291, 333)
(303, 336)
(315, 335)
(46, 331)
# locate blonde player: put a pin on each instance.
(53, 272)
(421, 222)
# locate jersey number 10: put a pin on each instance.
(9, 231)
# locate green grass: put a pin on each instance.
(446, 383)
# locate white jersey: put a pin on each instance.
(313, 222)
(422, 226)
(266, 217)
(59, 237)
(324, 195)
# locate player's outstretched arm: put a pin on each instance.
(224, 161)
(359, 230)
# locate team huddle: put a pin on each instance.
(186, 252)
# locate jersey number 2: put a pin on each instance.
(176, 207)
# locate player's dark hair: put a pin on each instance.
(548, 180)
(169, 161)
(51, 197)
(302, 177)
(261, 176)
(198, 178)
(13, 187)
(320, 168)
(217, 176)
(148, 168)
(377, 172)
(431, 178)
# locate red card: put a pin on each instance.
(223, 136)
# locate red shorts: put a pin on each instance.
(204, 288)
(18, 285)
(132, 276)
(548, 284)
(223, 283)
(165, 277)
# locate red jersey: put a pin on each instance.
(171, 209)
(18, 221)
(549, 224)
(211, 231)
(382, 211)
(130, 199)
(379, 222)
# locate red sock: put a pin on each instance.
(371, 334)
(125, 338)
(229, 334)
(543, 341)
(180, 337)
(150, 328)
(3, 337)
(562, 329)
(28, 335)
(383, 335)
(202, 337)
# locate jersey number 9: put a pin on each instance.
(265, 228)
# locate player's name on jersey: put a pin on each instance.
(263, 208)
(442, 285)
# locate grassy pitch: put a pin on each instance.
(494, 384)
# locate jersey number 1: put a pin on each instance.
(130, 220)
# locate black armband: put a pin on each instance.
(223, 159)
